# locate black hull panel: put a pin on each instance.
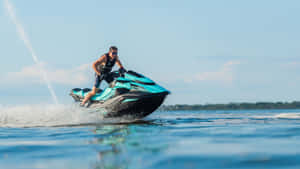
(144, 106)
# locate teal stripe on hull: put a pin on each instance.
(129, 100)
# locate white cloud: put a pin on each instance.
(32, 74)
(294, 63)
(224, 75)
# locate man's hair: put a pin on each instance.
(113, 48)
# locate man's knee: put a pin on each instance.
(94, 91)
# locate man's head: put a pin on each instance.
(113, 51)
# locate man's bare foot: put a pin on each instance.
(81, 105)
(86, 104)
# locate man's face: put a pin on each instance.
(113, 53)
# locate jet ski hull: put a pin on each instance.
(133, 105)
(139, 107)
(130, 94)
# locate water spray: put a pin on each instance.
(20, 30)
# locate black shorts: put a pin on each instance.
(108, 77)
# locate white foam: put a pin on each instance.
(52, 115)
(47, 115)
(279, 116)
(288, 116)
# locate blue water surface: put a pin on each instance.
(164, 140)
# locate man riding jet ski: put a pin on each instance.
(102, 68)
(129, 93)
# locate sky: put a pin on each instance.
(202, 51)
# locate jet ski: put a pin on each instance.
(129, 94)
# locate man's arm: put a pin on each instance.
(118, 62)
(98, 62)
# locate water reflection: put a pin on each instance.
(112, 136)
(124, 142)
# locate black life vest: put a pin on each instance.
(109, 64)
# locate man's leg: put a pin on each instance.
(89, 95)
(98, 80)
(109, 78)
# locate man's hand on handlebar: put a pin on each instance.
(122, 71)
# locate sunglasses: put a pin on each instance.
(114, 53)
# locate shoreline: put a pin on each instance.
(234, 106)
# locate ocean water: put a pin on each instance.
(65, 137)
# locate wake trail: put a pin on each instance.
(288, 116)
(20, 30)
(52, 115)
(294, 115)
(47, 115)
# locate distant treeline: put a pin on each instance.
(235, 106)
